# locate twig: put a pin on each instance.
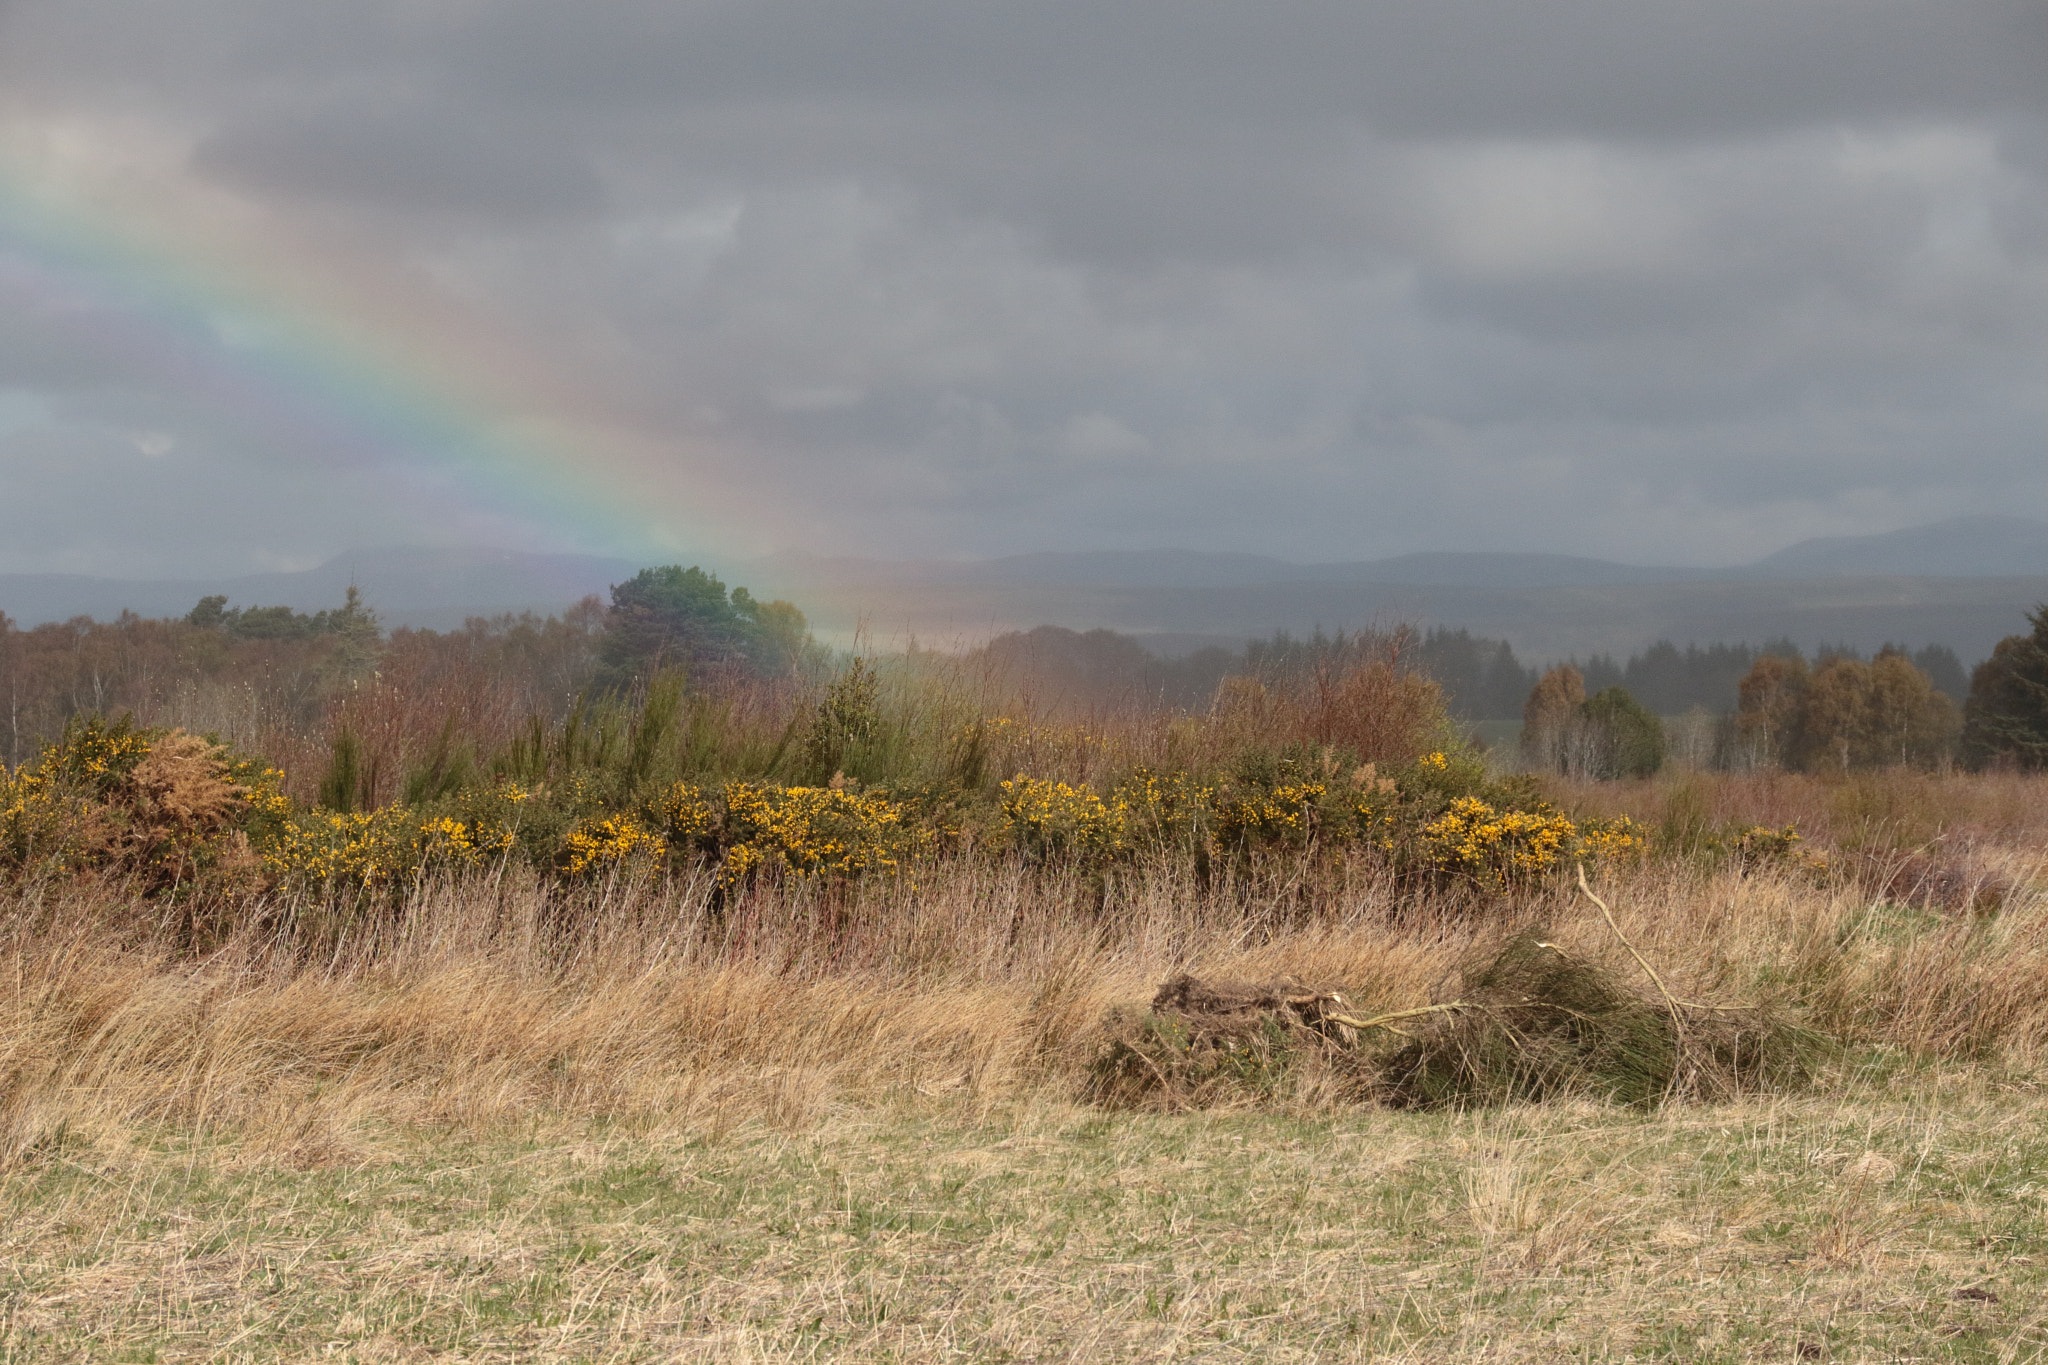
(1670, 1000)
(1385, 1020)
(1689, 1004)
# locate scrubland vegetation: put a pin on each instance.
(527, 994)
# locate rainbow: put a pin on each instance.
(304, 347)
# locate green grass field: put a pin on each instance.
(1904, 1222)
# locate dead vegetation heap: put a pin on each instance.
(1525, 1021)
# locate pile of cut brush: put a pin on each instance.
(1530, 1021)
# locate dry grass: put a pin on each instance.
(1903, 1226)
(491, 1001)
(1879, 810)
(642, 1124)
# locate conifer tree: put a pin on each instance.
(2006, 717)
(683, 618)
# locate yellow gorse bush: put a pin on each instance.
(1287, 815)
(35, 818)
(335, 848)
(159, 806)
(1500, 848)
(264, 791)
(474, 842)
(814, 831)
(168, 803)
(687, 814)
(1615, 840)
(1046, 817)
(1372, 808)
(95, 751)
(606, 843)
(38, 802)
(1466, 839)
(384, 847)
(1164, 810)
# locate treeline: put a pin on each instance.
(295, 686)
(257, 668)
(1484, 681)
(262, 690)
(1737, 707)
(1481, 677)
(1101, 669)
(290, 684)
(1840, 714)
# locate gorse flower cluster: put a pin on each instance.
(1502, 848)
(744, 829)
(161, 807)
(1051, 819)
(1284, 815)
(608, 842)
(355, 848)
(167, 808)
(1437, 818)
(309, 848)
(816, 831)
(47, 808)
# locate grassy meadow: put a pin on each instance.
(472, 1099)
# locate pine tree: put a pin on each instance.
(2006, 717)
(358, 635)
(672, 617)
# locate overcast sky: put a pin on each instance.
(1669, 282)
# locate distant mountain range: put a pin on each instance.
(1964, 547)
(413, 587)
(1963, 583)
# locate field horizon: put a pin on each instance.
(1958, 583)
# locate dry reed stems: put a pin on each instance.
(493, 1000)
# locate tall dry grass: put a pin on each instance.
(497, 1001)
(1897, 808)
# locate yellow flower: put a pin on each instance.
(1050, 817)
(1501, 848)
(601, 844)
(1287, 816)
(814, 831)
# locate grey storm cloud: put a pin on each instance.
(403, 160)
(1664, 280)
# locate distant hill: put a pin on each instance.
(1498, 569)
(1212, 569)
(1088, 568)
(1963, 583)
(1964, 547)
(408, 587)
(1543, 623)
